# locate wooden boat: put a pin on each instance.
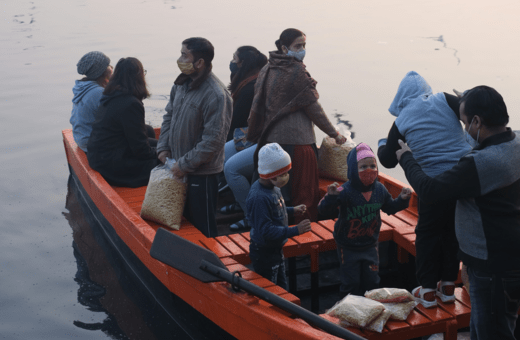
(242, 315)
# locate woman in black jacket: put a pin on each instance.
(119, 147)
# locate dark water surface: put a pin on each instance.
(358, 52)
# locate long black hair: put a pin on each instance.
(287, 38)
(128, 77)
(252, 62)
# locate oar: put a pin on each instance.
(205, 266)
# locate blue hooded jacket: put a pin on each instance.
(359, 220)
(85, 105)
(432, 131)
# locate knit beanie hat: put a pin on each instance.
(273, 161)
(364, 151)
(93, 64)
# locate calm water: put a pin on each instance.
(358, 52)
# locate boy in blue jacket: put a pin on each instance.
(268, 215)
(357, 229)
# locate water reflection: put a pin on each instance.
(108, 287)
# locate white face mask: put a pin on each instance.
(470, 140)
(297, 55)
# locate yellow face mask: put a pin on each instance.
(186, 68)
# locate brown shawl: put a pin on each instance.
(284, 86)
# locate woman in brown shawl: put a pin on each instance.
(285, 110)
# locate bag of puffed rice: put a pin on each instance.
(165, 197)
(377, 325)
(358, 311)
(332, 160)
(389, 295)
(400, 310)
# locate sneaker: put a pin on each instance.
(425, 296)
(242, 224)
(446, 291)
(231, 209)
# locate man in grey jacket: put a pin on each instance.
(486, 183)
(194, 131)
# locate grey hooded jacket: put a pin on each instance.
(196, 124)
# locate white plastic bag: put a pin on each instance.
(389, 295)
(400, 310)
(165, 197)
(332, 160)
(377, 325)
(358, 311)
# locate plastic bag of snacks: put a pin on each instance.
(165, 197)
(332, 160)
(358, 311)
(377, 325)
(389, 295)
(400, 310)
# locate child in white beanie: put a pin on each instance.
(268, 215)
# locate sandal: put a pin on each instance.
(242, 224)
(231, 209)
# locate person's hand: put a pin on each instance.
(177, 172)
(340, 139)
(163, 154)
(334, 189)
(404, 148)
(300, 209)
(304, 226)
(406, 193)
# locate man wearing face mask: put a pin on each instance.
(486, 183)
(194, 129)
(268, 215)
(356, 230)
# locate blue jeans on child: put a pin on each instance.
(359, 270)
(269, 263)
(238, 169)
(495, 300)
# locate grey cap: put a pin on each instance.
(93, 64)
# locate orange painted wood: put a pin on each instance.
(240, 241)
(231, 246)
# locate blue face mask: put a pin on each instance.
(297, 55)
(233, 67)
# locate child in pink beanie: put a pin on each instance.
(356, 230)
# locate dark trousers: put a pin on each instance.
(359, 270)
(270, 263)
(436, 245)
(201, 203)
(495, 299)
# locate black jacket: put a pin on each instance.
(118, 147)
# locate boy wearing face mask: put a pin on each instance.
(356, 230)
(268, 215)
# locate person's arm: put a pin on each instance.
(319, 118)
(386, 151)
(453, 103)
(163, 142)
(217, 118)
(241, 108)
(134, 129)
(261, 215)
(329, 204)
(461, 181)
(391, 206)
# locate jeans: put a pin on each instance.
(436, 244)
(270, 263)
(238, 170)
(495, 300)
(359, 270)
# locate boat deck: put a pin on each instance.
(233, 249)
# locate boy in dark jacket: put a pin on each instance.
(357, 229)
(268, 215)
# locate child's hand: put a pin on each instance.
(304, 226)
(406, 193)
(300, 209)
(333, 189)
